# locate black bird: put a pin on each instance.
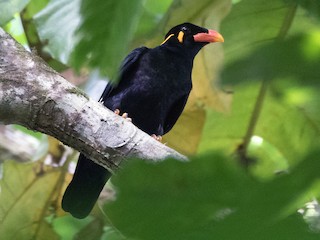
(154, 85)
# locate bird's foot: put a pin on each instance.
(157, 137)
(117, 111)
(124, 115)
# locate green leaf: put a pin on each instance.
(67, 226)
(25, 200)
(56, 25)
(91, 231)
(253, 23)
(313, 7)
(297, 57)
(286, 128)
(10, 7)
(173, 200)
(254, 51)
(250, 24)
(16, 30)
(209, 196)
(105, 32)
(151, 16)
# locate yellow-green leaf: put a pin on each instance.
(25, 201)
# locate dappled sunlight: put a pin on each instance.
(311, 46)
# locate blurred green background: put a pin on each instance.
(251, 126)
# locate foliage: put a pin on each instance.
(255, 104)
(9, 8)
(17, 220)
(217, 200)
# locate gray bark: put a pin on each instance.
(37, 97)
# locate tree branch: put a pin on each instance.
(12, 147)
(37, 97)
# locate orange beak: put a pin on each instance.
(211, 36)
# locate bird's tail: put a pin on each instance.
(84, 189)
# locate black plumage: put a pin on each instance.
(154, 85)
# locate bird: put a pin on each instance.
(153, 88)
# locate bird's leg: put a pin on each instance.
(157, 137)
(124, 115)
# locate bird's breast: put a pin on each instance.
(159, 82)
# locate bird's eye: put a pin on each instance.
(184, 29)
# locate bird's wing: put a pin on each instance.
(127, 65)
(174, 113)
(129, 62)
(106, 92)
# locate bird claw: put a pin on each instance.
(124, 115)
(157, 137)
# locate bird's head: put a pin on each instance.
(190, 36)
